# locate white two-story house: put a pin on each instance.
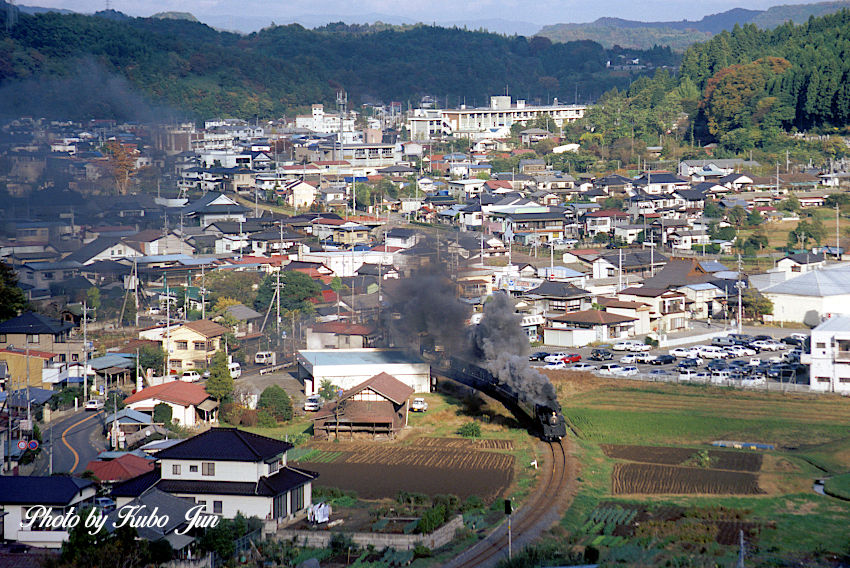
(830, 356)
(229, 471)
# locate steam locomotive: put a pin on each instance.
(548, 422)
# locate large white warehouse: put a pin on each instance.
(346, 368)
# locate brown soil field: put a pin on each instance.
(378, 481)
(640, 478)
(663, 455)
(461, 443)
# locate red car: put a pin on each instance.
(572, 358)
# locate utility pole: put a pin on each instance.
(741, 551)
(837, 242)
(740, 286)
(85, 353)
(167, 328)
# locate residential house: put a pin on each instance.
(401, 238)
(552, 298)
(30, 368)
(578, 329)
(248, 321)
(214, 207)
(105, 248)
(667, 312)
(377, 407)
(190, 404)
(21, 494)
(152, 242)
(122, 468)
(339, 335)
(801, 263)
(830, 356)
(603, 221)
(42, 333)
(637, 310)
(229, 471)
(629, 264)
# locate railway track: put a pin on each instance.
(541, 511)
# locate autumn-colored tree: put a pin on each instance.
(122, 162)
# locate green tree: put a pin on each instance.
(754, 219)
(791, 204)
(277, 402)
(712, 210)
(755, 303)
(737, 216)
(162, 413)
(12, 299)
(241, 285)
(296, 290)
(151, 358)
(220, 384)
(328, 390)
(470, 430)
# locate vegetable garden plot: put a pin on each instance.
(456, 460)
(640, 478)
(663, 455)
(462, 443)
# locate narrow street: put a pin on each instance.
(75, 440)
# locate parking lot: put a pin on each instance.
(766, 359)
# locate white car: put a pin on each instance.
(681, 352)
(583, 367)
(741, 351)
(554, 358)
(622, 346)
(94, 404)
(629, 371)
(712, 352)
(687, 374)
(645, 358)
(264, 358)
(313, 403)
(766, 345)
(418, 405)
(609, 368)
(630, 358)
(558, 365)
(800, 336)
(639, 347)
(190, 376)
(235, 370)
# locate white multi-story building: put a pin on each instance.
(830, 356)
(320, 121)
(495, 120)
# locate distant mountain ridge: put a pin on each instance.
(679, 35)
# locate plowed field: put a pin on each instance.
(641, 478)
(720, 459)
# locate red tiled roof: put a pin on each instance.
(32, 353)
(593, 317)
(126, 467)
(341, 328)
(178, 392)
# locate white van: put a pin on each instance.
(264, 358)
(235, 370)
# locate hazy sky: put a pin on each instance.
(533, 11)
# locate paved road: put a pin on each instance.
(76, 440)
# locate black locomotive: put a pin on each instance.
(548, 422)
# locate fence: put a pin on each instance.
(767, 385)
(322, 538)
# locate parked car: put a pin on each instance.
(645, 358)
(104, 504)
(689, 363)
(572, 358)
(767, 345)
(723, 341)
(622, 346)
(712, 352)
(680, 352)
(629, 358)
(639, 347)
(94, 404)
(554, 357)
(313, 403)
(659, 373)
(559, 365)
(264, 358)
(687, 374)
(538, 356)
(629, 371)
(583, 367)
(190, 376)
(791, 340)
(418, 405)
(235, 370)
(609, 368)
(601, 355)
(663, 360)
(800, 336)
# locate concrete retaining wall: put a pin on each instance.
(322, 538)
(701, 338)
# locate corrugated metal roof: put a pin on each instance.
(826, 282)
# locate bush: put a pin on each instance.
(265, 419)
(231, 413)
(249, 417)
(162, 413)
(277, 402)
(470, 430)
(420, 551)
(431, 519)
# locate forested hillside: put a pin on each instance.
(187, 65)
(791, 75)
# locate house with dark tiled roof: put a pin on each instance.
(18, 494)
(41, 333)
(552, 298)
(229, 471)
(377, 407)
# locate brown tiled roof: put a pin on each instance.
(615, 303)
(177, 392)
(125, 467)
(597, 317)
(341, 328)
(206, 328)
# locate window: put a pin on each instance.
(182, 345)
(193, 469)
(32, 338)
(822, 379)
(820, 345)
(298, 498)
(208, 468)
(199, 345)
(204, 503)
(2, 338)
(844, 379)
(217, 508)
(175, 469)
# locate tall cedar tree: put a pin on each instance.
(220, 383)
(12, 299)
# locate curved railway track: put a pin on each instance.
(542, 510)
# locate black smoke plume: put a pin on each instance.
(501, 346)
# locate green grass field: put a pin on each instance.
(810, 434)
(838, 486)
